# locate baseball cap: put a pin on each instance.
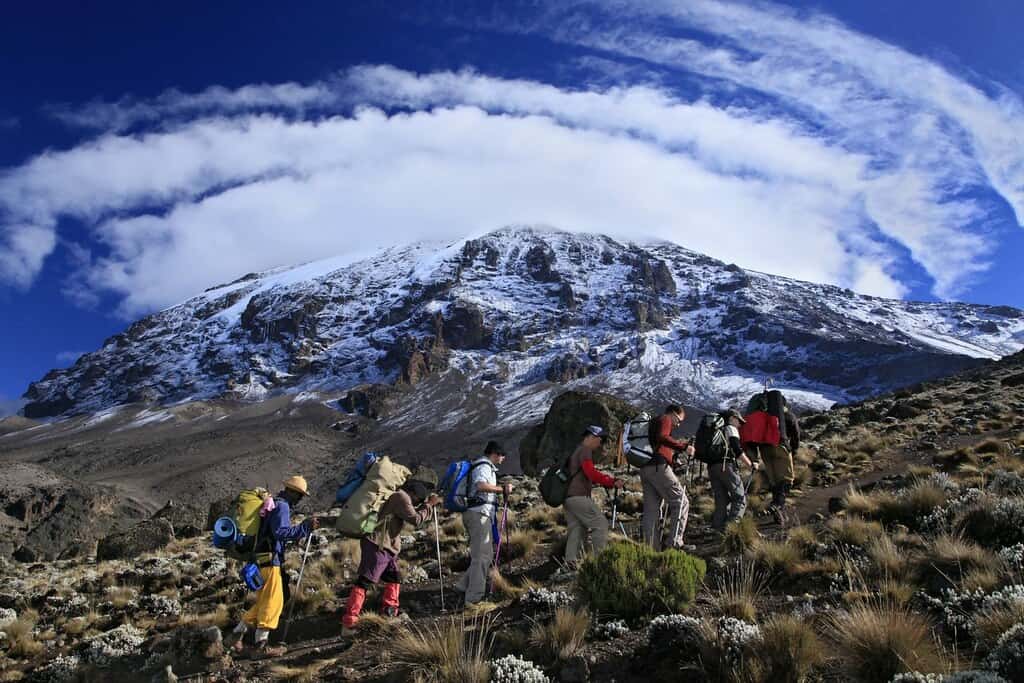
(594, 430)
(732, 412)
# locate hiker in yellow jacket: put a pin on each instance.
(277, 529)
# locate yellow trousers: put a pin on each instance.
(267, 610)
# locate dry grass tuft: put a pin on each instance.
(990, 446)
(989, 624)
(854, 531)
(736, 592)
(506, 589)
(876, 642)
(520, 544)
(740, 536)
(887, 558)
(301, 674)
(949, 559)
(21, 637)
(541, 518)
(563, 637)
(777, 557)
(220, 616)
(454, 650)
(789, 650)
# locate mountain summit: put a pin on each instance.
(520, 312)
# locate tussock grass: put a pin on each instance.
(220, 616)
(874, 642)
(994, 446)
(789, 650)
(859, 503)
(564, 636)
(740, 536)
(736, 592)
(949, 559)
(983, 579)
(853, 530)
(121, 596)
(520, 544)
(77, 626)
(887, 558)
(21, 637)
(454, 650)
(542, 518)
(506, 588)
(777, 557)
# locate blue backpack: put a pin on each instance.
(455, 486)
(355, 478)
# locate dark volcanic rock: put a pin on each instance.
(540, 262)
(464, 327)
(142, 538)
(186, 520)
(1013, 380)
(567, 368)
(369, 400)
(563, 427)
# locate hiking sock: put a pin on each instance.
(262, 637)
(241, 628)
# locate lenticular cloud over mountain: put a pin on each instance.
(884, 165)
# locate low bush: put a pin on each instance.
(631, 581)
(994, 522)
(1007, 657)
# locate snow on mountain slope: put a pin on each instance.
(524, 312)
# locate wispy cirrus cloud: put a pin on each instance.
(802, 130)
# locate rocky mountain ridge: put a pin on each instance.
(520, 313)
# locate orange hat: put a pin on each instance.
(297, 484)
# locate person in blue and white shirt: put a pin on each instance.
(483, 498)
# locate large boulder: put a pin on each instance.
(144, 537)
(186, 520)
(368, 400)
(560, 433)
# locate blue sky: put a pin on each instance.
(150, 151)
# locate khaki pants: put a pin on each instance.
(661, 484)
(583, 517)
(778, 463)
(481, 553)
(730, 496)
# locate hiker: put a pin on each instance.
(778, 463)
(583, 516)
(660, 482)
(378, 552)
(478, 518)
(726, 485)
(277, 531)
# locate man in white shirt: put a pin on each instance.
(482, 496)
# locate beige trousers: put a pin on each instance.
(481, 553)
(661, 484)
(584, 517)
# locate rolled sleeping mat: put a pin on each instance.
(225, 533)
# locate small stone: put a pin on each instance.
(575, 670)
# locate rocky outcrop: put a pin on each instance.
(142, 538)
(369, 400)
(464, 327)
(186, 521)
(567, 368)
(540, 264)
(560, 433)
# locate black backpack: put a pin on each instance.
(710, 442)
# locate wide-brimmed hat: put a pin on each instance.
(297, 484)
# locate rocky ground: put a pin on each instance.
(903, 554)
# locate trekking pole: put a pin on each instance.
(298, 585)
(440, 569)
(501, 537)
(615, 507)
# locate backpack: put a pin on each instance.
(710, 443)
(355, 478)
(359, 514)
(238, 534)
(636, 443)
(765, 419)
(455, 486)
(554, 485)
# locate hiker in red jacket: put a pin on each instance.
(582, 514)
(661, 483)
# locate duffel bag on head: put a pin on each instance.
(359, 514)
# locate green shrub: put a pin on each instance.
(632, 581)
(994, 525)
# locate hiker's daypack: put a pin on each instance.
(554, 485)
(765, 419)
(355, 478)
(359, 514)
(455, 485)
(636, 443)
(238, 533)
(710, 442)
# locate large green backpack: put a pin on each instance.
(246, 513)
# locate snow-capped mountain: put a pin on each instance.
(523, 312)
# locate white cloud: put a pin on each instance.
(174, 104)
(850, 145)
